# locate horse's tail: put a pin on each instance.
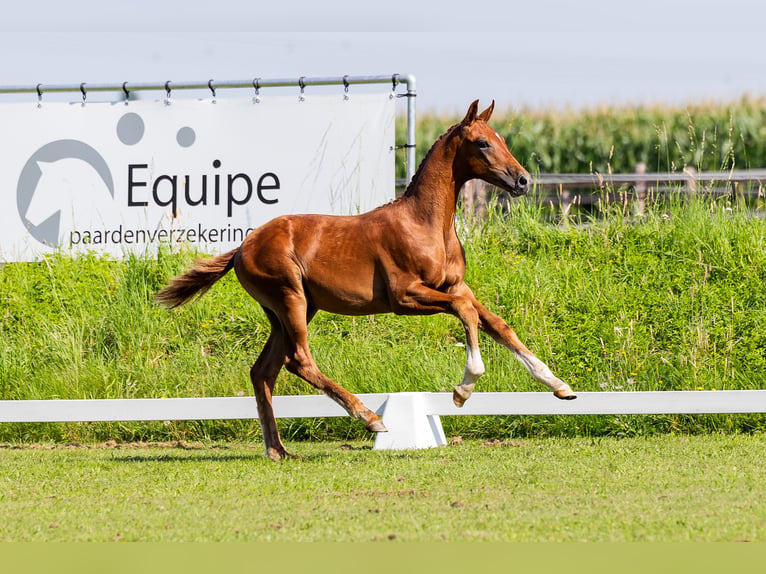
(196, 281)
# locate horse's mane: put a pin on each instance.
(413, 184)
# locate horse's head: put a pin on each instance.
(484, 154)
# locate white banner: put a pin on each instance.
(117, 178)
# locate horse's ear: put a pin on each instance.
(486, 114)
(471, 115)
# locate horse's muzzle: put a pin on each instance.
(522, 184)
(510, 181)
(518, 185)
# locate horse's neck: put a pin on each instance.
(432, 195)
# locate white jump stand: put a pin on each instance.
(409, 422)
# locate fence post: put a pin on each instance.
(691, 179)
(640, 205)
(474, 196)
(565, 201)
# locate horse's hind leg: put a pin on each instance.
(300, 362)
(263, 375)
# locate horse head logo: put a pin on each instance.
(48, 230)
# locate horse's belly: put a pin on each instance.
(346, 298)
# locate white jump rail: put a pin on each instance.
(411, 418)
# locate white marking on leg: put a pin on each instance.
(474, 366)
(541, 373)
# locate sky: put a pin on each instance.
(536, 53)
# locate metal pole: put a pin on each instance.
(411, 95)
(41, 89)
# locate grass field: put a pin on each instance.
(670, 488)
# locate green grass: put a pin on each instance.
(671, 488)
(673, 301)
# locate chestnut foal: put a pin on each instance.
(403, 258)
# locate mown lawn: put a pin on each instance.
(662, 488)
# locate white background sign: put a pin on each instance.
(118, 178)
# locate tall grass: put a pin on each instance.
(673, 301)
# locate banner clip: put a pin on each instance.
(302, 84)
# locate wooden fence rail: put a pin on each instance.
(689, 178)
(563, 190)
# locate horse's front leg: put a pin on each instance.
(474, 368)
(499, 330)
(420, 299)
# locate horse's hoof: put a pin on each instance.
(461, 394)
(377, 426)
(277, 454)
(565, 394)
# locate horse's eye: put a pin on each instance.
(483, 144)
